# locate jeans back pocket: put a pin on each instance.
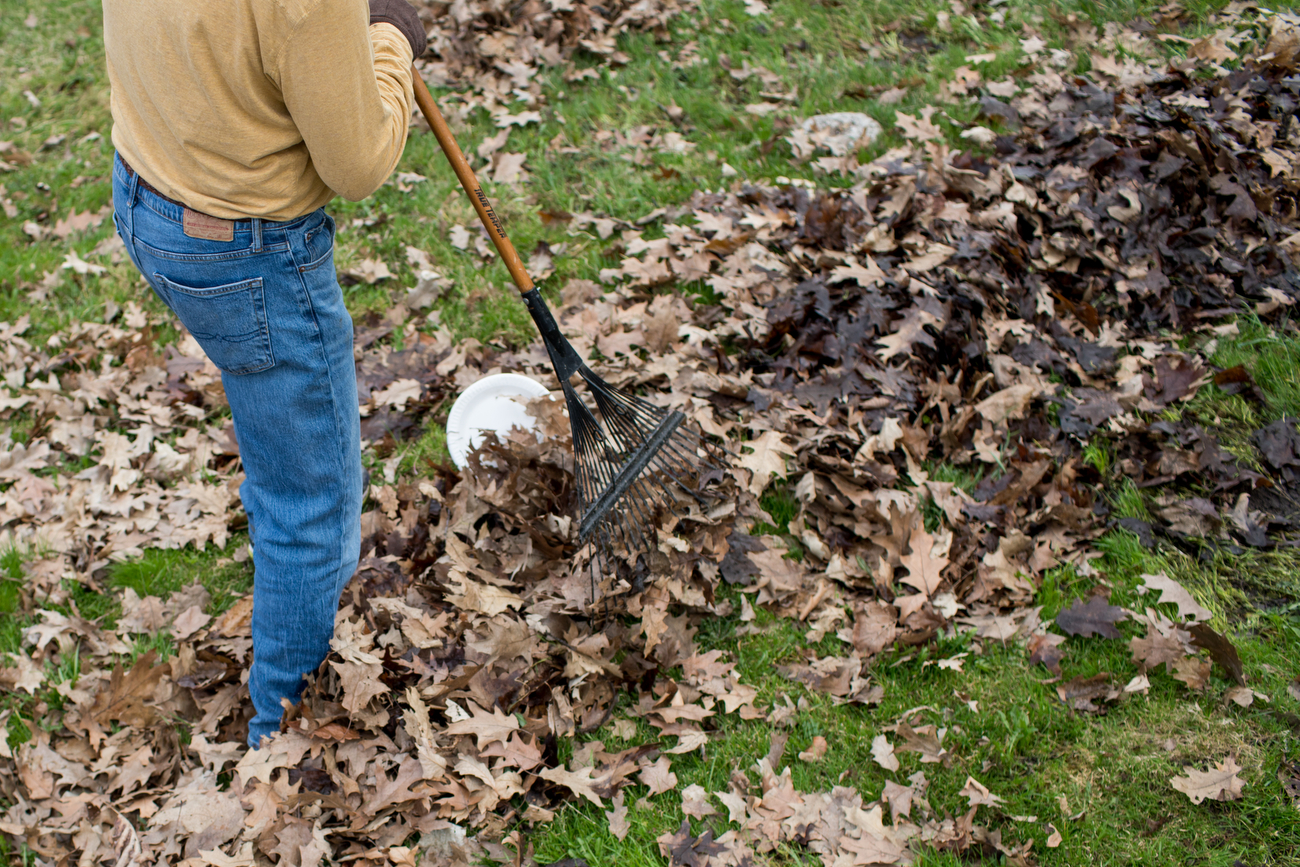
(228, 321)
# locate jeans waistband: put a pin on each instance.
(130, 173)
(166, 203)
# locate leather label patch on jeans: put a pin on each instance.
(207, 228)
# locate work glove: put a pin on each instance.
(403, 16)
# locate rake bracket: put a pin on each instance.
(564, 358)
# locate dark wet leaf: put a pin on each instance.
(1139, 528)
(1221, 651)
(1085, 693)
(684, 850)
(1279, 444)
(1176, 378)
(1094, 617)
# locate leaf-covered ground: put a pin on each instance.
(1006, 564)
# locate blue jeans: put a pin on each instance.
(267, 309)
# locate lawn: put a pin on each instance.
(1083, 787)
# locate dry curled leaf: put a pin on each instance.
(1221, 651)
(816, 750)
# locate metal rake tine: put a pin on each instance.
(635, 524)
(666, 469)
(684, 433)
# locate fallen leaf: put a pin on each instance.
(766, 460)
(579, 782)
(1193, 671)
(1155, 649)
(1220, 650)
(815, 750)
(899, 799)
(1044, 649)
(1220, 784)
(1173, 592)
(189, 621)
(919, 127)
(923, 566)
(1082, 693)
(658, 777)
(125, 699)
(695, 802)
(977, 795)
(1094, 617)
(485, 726)
(619, 825)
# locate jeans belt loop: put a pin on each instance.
(133, 191)
(257, 234)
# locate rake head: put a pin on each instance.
(634, 471)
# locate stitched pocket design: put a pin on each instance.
(228, 321)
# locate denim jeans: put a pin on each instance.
(267, 309)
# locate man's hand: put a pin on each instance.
(403, 16)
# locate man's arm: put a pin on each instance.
(347, 85)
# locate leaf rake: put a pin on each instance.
(642, 462)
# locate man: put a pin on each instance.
(234, 123)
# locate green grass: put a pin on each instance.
(162, 572)
(420, 456)
(1273, 360)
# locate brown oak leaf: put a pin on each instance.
(1193, 671)
(695, 802)
(1080, 692)
(124, 700)
(882, 752)
(619, 826)
(658, 777)
(766, 461)
(579, 782)
(815, 750)
(911, 331)
(977, 795)
(1153, 649)
(485, 726)
(1173, 592)
(1220, 784)
(923, 566)
(1045, 649)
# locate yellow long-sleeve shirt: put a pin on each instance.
(257, 108)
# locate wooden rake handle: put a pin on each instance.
(465, 174)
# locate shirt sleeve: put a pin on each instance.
(347, 86)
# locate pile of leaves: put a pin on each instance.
(999, 312)
(989, 313)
